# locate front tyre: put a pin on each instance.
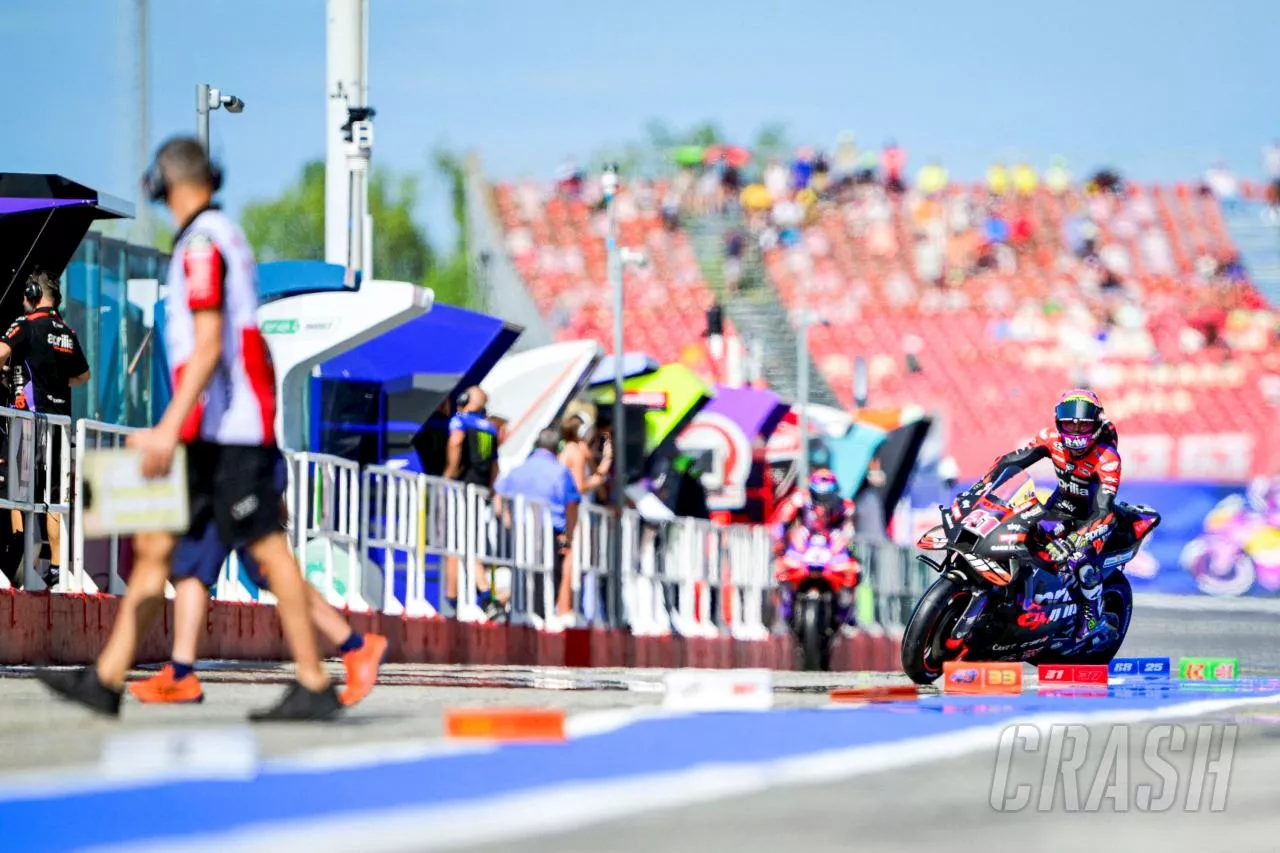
(924, 649)
(813, 633)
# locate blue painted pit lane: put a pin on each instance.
(191, 808)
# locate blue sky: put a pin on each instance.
(1158, 88)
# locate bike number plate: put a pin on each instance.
(980, 522)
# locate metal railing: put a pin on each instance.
(37, 463)
(384, 539)
(324, 510)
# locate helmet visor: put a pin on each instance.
(1077, 427)
(1077, 409)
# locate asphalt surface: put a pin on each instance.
(946, 802)
(947, 806)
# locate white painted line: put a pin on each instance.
(1206, 603)
(574, 805)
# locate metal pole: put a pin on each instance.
(345, 87)
(202, 114)
(143, 102)
(619, 419)
(802, 393)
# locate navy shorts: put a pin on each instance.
(202, 551)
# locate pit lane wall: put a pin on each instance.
(375, 541)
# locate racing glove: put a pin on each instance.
(1060, 550)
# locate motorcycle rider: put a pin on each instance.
(818, 507)
(1087, 464)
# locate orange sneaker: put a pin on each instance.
(362, 668)
(164, 688)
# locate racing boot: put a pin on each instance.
(1089, 590)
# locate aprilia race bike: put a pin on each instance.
(816, 581)
(1000, 598)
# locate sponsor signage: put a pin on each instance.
(1208, 669)
(656, 400)
(1141, 667)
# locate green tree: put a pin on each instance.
(292, 226)
(451, 280)
(771, 141)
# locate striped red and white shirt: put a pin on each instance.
(213, 269)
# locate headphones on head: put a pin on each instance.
(462, 399)
(585, 428)
(157, 189)
(33, 292)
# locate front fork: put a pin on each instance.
(964, 625)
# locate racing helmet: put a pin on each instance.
(822, 483)
(1078, 417)
(824, 493)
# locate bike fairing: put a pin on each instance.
(1009, 602)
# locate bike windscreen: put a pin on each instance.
(1011, 488)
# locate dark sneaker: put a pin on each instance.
(82, 686)
(494, 611)
(299, 703)
(50, 577)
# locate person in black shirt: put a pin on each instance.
(42, 349)
(471, 457)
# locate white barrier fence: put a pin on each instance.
(36, 464)
(384, 539)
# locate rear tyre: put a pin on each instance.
(813, 633)
(1116, 607)
(924, 648)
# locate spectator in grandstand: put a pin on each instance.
(1271, 160)
(472, 459)
(846, 160)
(1024, 179)
(932, 178)
(868, 168)
(997, 179)
(1056, 178)
(569, 179)
(894, 163)
(1219, 182)
(543, 477)
(1105, 181)
(735, 243)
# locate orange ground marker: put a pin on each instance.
(887, 693)
(981, 677)
(509, 724)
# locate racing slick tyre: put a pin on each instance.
(1116, 606)
(813, 633)
(924, 649)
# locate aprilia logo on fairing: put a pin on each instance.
(1075, 488)
(1057, 595)
(1063, 612)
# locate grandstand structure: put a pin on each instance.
(979, 307)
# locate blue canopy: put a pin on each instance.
(446, 349)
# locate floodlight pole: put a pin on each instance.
(609, 183)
